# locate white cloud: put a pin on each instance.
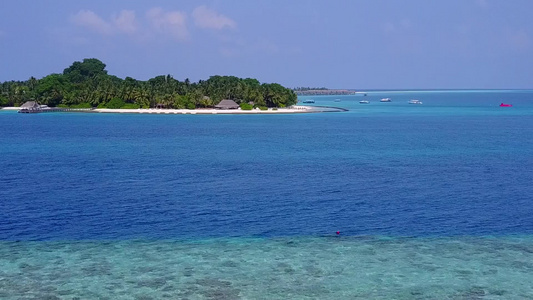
(126, 22)
(88, 19)
(210, 19)
(172, 22)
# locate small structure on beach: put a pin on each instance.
(227, 104)
(30, 107)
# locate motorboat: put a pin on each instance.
(505, 105)
(308, 101)
(414, 101)
(386, 100)
(364, 101)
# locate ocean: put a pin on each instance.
(431, 201)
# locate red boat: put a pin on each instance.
(505, 105)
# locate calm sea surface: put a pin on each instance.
(432, 201)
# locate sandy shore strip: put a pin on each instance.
(210, 111)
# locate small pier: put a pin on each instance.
(32, 107)
(53, 109)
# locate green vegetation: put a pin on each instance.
(87, 84)
(246, 106)
(82, 105)
(115, 103)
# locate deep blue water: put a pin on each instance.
(456, 165)
(433, 201)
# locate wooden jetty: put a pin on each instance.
(53, 109)
(32, 107)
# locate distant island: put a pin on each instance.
(86, 84)
(321, 91)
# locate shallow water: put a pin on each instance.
(280, 268)
(433, 201)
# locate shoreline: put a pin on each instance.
(208, 111)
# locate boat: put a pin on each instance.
(386, 100)
(505, 105)
(337, 100)
(364, 101)
(414, 101)
(308, 101)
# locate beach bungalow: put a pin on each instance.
(31, 106)
(227, 104)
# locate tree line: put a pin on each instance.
(87, 84)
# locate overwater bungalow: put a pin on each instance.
(30, 107)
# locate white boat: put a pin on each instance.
(386, 100)
(364, 101)
(414, 101)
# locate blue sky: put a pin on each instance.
(372, 44)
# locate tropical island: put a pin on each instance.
(87, 84)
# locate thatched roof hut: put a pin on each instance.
(30, 105)
(227, 104)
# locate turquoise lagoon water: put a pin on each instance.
(275, 268)
(433, 201)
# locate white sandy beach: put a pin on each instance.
(209, 111)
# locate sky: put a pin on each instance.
(353, 44)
